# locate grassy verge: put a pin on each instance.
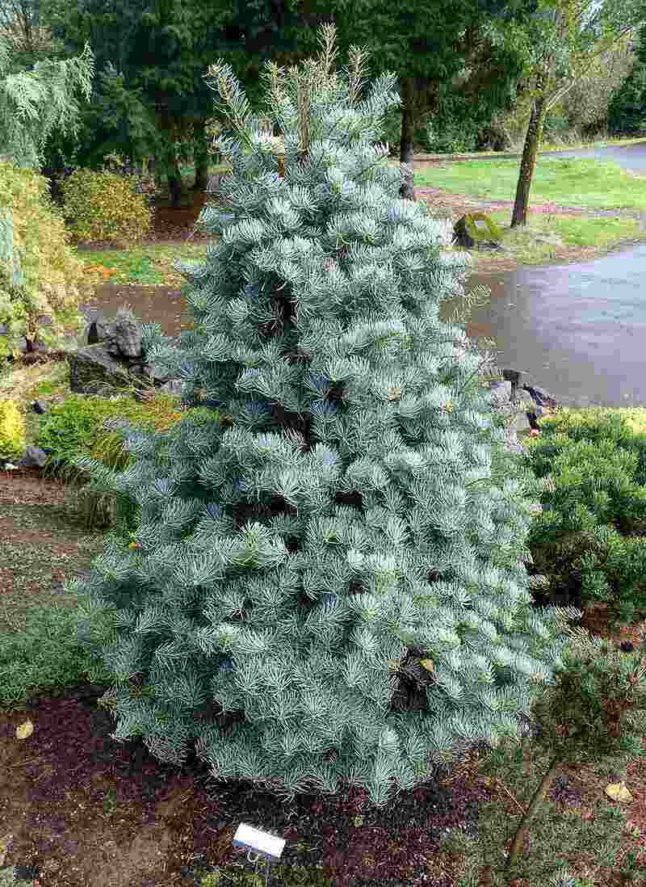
(42, 547)
(614, 141)
(590, 184)
(548, 238)
(151, 264)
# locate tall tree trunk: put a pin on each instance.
(528, 161)
(174, 179)
(201, 155)
(168, 127)
(406, 140)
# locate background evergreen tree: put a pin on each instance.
(446, 54)
(627, 111)
(39, 100)
(150, 99)
(326, 578)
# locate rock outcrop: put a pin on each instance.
(113, 358)
(520, 406)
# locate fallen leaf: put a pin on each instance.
(618, 792)
(24, 730)
(428, 664)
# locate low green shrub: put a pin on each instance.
(558, 838)
(44, 656)
(590, 540)
(104, 206)
(594, 713)
(93, 427)
(12, 430)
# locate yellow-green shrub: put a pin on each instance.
(103, 206)
(40, 275)
(12, 430)
(597, 422)
(84, 426)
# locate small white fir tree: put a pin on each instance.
(326, 580)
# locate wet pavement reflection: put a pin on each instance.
(578, 330)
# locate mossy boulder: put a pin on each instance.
(477, 230)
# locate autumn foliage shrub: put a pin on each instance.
(590, 540)
(40, 276)
(104, 206)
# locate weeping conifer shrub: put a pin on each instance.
(326, 580)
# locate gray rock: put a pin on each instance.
(513, 376)
(33, 457)
(500, 393)
(541, 396)
(511, 442)
(94, 371)
(525, 400)
(173, 387)
(123, 338)
(533, 410)
(97, 330)
(521, 423)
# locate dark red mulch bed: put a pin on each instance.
(84, 809)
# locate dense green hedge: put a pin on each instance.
(590, 540)
(12, 430)
(40, 275)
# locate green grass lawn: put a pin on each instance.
(600, 232)
(549, 237)
(615, 141)
(42, 547)
(151, 264)
(592, 184)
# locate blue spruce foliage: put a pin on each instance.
(329, 577)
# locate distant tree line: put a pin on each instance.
(454, 58)
(468, 70)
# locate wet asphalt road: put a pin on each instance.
(578, 330)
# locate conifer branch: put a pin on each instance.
(357, 58)
(327, 58)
